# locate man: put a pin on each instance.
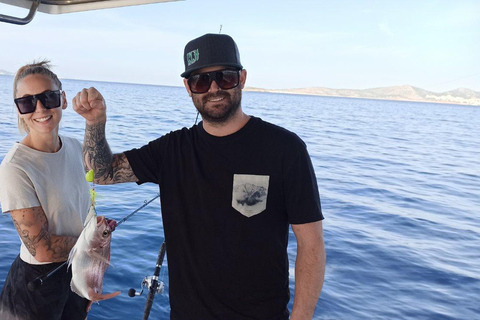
(230, 186)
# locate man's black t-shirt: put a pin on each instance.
(226, 204)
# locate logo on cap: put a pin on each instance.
(192, 57)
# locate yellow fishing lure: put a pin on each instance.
(90, 176)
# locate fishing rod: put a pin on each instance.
(146, 203)
(37, 282)
(152, 283)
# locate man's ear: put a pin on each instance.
(243, 78)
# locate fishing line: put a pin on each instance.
(196, 117)
(138, 209)
(37, 282)
(453, 80)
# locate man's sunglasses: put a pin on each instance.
(49, 99)
(225, 79)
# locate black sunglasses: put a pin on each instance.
(225, 79)
(49, 99)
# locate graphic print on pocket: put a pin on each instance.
(249, 196)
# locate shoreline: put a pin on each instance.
(293, 92)
(428, 97)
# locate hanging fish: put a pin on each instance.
(90, 258)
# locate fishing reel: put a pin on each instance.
(152, 284)
(148, 283)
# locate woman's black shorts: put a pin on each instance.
(54, 300)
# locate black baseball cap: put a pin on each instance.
(210, 50)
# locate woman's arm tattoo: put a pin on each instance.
(32, 226)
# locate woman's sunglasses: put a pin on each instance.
(225, 79)
(49, 99)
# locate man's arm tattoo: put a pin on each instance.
(108, 167)
(122, 171)
(96, 152)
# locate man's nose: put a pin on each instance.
(214, 87)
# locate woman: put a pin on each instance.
(43, 187)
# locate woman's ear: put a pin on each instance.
(64, 100)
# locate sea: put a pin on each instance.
(399, 185)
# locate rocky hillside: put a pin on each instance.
(403, 93)
(5, 72)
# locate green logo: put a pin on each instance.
(192, 56)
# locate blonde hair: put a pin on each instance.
(41, 67)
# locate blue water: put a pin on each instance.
(400, 188)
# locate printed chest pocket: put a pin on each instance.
(249, 195)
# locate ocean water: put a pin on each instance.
(399, 183)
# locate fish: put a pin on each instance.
(250, 194)
(90, 258)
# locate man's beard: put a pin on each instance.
(218, 112)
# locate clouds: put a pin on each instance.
(385, 29)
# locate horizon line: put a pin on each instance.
(252, 88)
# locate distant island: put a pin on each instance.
(461, 96)
(3, 72)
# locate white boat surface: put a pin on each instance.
(66, 6)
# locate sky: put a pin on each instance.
(344, 44)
